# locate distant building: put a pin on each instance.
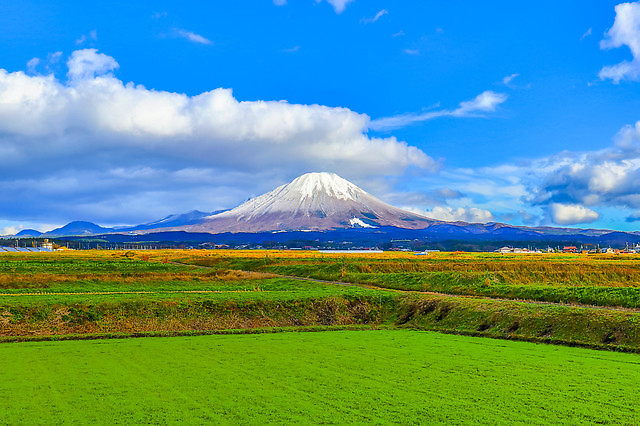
(569, 249)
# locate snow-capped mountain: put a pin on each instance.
(326, 207)
(313, 201)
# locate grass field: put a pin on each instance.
(406, 377)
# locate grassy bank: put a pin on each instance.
(597, 328)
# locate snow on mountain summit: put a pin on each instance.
(314, 184)
(310, 194)
(313, 201)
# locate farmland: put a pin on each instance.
(330, 377)
(578, 300)
(240, 353)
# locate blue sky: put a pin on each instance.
(123, 112)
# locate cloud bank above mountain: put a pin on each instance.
(93, 132)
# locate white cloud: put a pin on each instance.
(412, 52)
(634, 217)
(450, 214)
(54, 57)
(487, 101)
(92, 36)
(32, 64)
(586, 34)
(378, 15)
(572, 214)
(624, 32)
(398, 34)
(59, 142)
(509, 78)
(292, 50)
(88, 63)
(191, 36)
(279, 2)
(628, 138)
(606, 179)
(10, 230)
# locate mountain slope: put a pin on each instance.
(174, 220)
(313, 201)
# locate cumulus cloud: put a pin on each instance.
(624, 32)
(412, 52)
(485, 102)
(607, 178)
(373, 19)
(586, 34)
(191, 36)
(572, 214)
(63, 141)
(450, 214)
(88, 63)
(566, 188)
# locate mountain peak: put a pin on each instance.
(311, 185)
(313, 201)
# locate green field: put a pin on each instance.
(302, 337)
(406, 377)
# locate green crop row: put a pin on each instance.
(74, 266)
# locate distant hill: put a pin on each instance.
(77, 228)
(28, 233)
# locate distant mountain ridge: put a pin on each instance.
(323, 204)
